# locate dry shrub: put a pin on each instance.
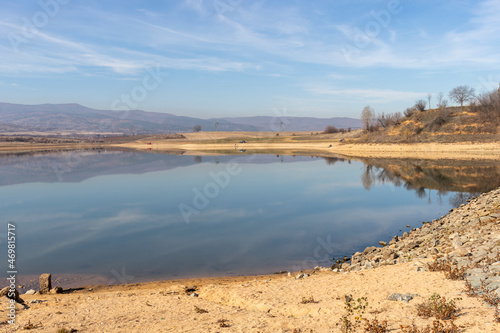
(374, 326)
(437, 307)
(450, 269)
(437, 327)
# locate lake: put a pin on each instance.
(131, 216)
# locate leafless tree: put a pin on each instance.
(196, 128)
(488, 106)
(368, 118)
(462, 94)
(441, 103)
(429, 96)
(409, 112)
(396, 118)
(420, 105)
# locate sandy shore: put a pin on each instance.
(260, 304)
(304, 143)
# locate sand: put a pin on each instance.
(210, 143)
(251, 304)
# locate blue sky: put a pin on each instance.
(215, 58)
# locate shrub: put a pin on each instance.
(437, 307)
(330, 129)
(488, 107)
(409, 112)
(420, 105)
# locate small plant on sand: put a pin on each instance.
(374, 326)
(355, 309)
(199, 310)
(450, 269)
(306, 300)
(488, 295)
(223, 323)
(437, 307)
(29, 326)
(65, 330)
(437, 327)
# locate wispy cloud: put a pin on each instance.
(374, 95)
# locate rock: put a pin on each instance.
(485, 219)
(194, 295)
(45, 283)
(56, 290)
(382, 243)
(400, 297)
(299, 276)
(30, 292)
(369, 249)
(394, 240)
(7, 292)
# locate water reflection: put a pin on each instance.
(103, 212)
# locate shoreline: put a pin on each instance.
(288, 143)
(468, 234)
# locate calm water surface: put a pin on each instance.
(157, 216)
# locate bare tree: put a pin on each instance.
(368, 118)
(409, 112)
(383, 120)
(429, 96)
(488, 106)
(420, 105)
(196, 128)
(441, 103)
(462, 94)
(396, 118)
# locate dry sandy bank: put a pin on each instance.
(251, 304)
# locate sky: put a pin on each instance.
(217, 58)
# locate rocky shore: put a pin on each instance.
(466, 240)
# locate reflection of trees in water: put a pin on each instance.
(368, 177)
(422, 177)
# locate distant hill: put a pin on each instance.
(78, 119)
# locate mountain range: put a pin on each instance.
(78, 119)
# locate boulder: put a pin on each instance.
(8, 293)
(56, 290)
(45, 283)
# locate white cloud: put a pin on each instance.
(373, 95)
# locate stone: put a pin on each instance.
(299, 276)
(369, 249)
(7, 292)
(45, 283)
(30, 292)
(56, 290)
(400, 297)
(485, 219)
(382, 243)
(194, 295)
(394, 240)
